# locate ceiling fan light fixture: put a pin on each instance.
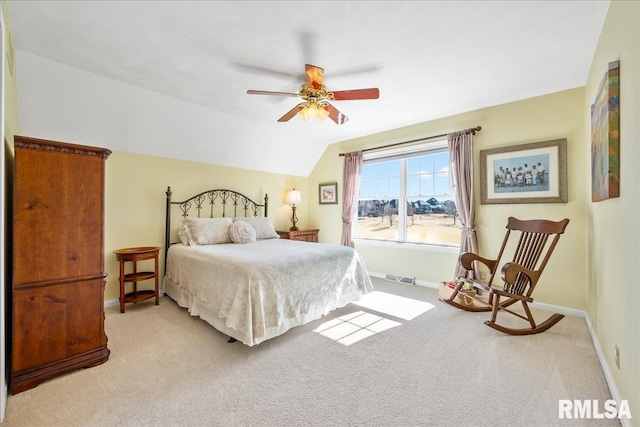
(316, 107)
(324, 113)
(312, 112)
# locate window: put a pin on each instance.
(405, 196)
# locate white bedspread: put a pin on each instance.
(264, 288)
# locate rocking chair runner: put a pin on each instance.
(520, 276)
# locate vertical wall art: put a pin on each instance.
(605, 137)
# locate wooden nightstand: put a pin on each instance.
(303, 235)
(134, 255)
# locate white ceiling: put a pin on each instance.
(429, 59)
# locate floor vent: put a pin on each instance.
(400, 279)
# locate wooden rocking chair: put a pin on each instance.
(520, 275)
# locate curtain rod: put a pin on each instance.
(470, 130)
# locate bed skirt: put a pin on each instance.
(196, 308)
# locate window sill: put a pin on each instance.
(412, 246)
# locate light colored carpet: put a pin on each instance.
(443, 367)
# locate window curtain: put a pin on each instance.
(350, 186)
(461, 178)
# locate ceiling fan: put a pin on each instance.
(316, 97)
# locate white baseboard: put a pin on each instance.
(615, 394)
(559, 309)
(539, 305)
(111, 303)
(417, 282)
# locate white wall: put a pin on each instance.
(59, 102)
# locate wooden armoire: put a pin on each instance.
(57, 310)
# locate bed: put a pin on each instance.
(249, 284)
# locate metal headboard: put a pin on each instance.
(230, 203)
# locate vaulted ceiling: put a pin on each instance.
(429, 59)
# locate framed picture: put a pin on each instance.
(328, 194)
(527, 173)
(605, 137)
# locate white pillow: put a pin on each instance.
(184, 235)
(207, 231)
(262, 225)
(242, 232)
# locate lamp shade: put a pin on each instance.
(293, 197)
(312, 112)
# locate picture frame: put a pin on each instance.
(605, 137)
(526, 173)
(328, 194)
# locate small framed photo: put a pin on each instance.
(527, 173)
(328, 194)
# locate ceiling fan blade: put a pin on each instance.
(308, 44)
(252, 69)
(265, 92)
(356, 70)
(291, 113)
(344, 95)
(314, 76)
(335, 115)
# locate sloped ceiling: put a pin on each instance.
(429, 60)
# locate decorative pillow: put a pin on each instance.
(242, 232)
(184, 235)
(207, 231)
(262, 225)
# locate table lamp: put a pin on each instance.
(293, 199)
